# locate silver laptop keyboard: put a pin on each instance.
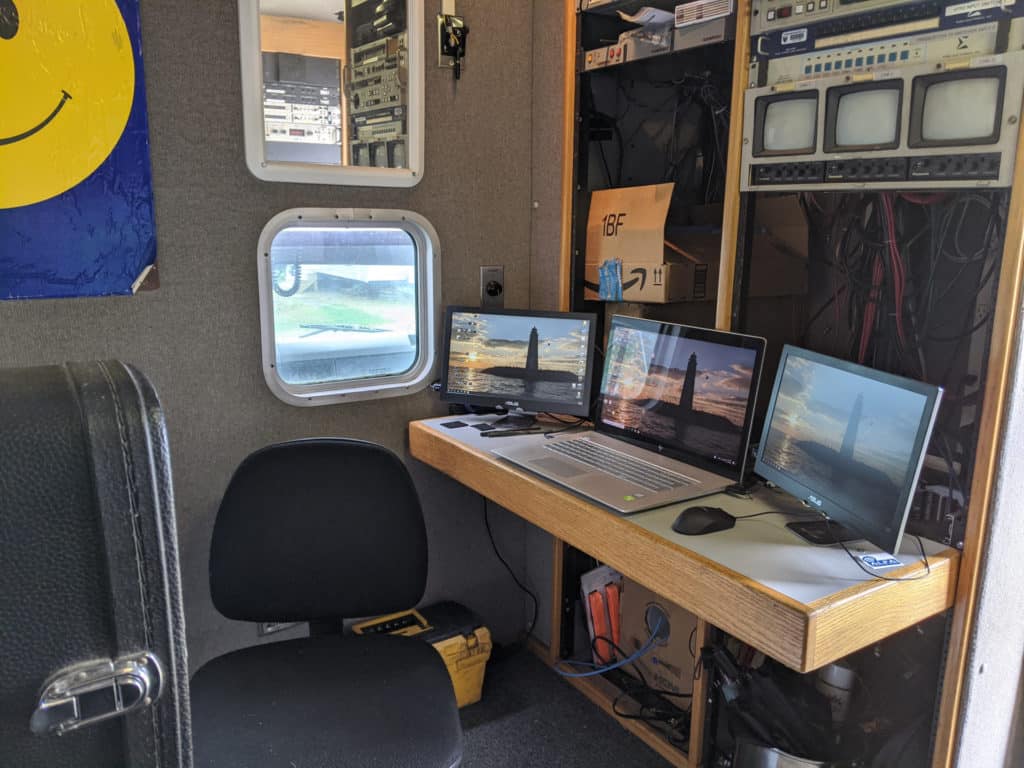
(621, 465)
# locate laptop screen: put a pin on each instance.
(687, 392)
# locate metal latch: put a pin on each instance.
(97, 690)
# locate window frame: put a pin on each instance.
(428, 300)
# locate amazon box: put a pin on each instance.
(657, 283)
(628, 224)
(626, 258)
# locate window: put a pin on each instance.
(348, 304)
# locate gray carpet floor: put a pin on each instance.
(529, 716)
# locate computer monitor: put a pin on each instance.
(786, 124)
(519, 361)
(863, 116)
(688, 392)
(848, 441)
(957, 107)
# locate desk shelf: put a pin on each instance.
(843, 613)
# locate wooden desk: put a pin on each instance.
(803, 605)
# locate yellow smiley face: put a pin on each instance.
(65, 94)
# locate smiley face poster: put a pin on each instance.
(76, 200)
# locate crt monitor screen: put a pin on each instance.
(534, 361)
(690, 391)
(954, 108)
(789, 124)
(848, 440)
(867, 118)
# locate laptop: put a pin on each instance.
(673, 420)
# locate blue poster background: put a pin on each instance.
(98, 237)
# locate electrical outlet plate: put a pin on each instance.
(492, 287)
(444, 62)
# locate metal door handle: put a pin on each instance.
(96, 691)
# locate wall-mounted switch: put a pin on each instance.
(451, 44)
(492, 287)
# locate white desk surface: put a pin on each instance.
(762, 549)
(805, 605)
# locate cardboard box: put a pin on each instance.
(628, 224)
(688, 271)
(626, 234)
(648, 283)
(778, 256)
(669, 664)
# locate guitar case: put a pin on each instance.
(93, 672)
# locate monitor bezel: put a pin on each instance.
(761, 111)
(522, 403)
(737, 340)
(919, 92)
(817, 498)
(835, 94)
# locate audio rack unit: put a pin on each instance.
(770, 15)
(862, 59)
(696, 23)
(893, 35)
(376, 83)
(301, 108)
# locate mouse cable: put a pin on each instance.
(575, 422)
(494, 546)
(920, 545)
(835, 540)
(774, 512)
(552, 432)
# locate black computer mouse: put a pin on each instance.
(693, 521)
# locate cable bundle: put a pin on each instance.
(912, 279)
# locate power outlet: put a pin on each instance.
(492, 287)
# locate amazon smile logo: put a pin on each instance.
(641, 277)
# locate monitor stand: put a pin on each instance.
(516, 420)
(822, 532)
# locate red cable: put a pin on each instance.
(926, 199)
(869, 311)
(898, 269)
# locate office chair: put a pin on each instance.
(320, 530)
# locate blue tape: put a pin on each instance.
(610, 288)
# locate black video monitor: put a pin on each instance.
(688, 392)
(519, 360)
(847, 440)
(957, 107)
(786, 124)
(863, 116)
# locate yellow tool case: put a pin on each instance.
(456, 633)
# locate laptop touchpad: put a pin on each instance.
(558, 467)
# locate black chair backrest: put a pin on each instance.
(318, 529)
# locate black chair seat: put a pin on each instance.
(327, 702)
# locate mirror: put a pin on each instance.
(332, 90)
